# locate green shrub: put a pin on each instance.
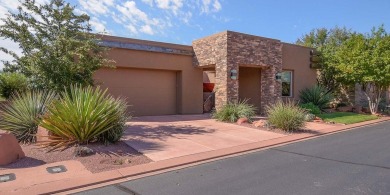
(23, 114)
(232, 111)
(83, 115)
(11, 83)
(286, 116)
(311, 108)
(317, 95)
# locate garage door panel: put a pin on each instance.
(149, 92)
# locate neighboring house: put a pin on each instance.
(162, 78)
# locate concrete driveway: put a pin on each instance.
(165, 137)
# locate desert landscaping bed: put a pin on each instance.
(103, 158)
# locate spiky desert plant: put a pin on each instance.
(317, 95)
(23, 114)
(82, 115)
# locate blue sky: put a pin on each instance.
(182, 21)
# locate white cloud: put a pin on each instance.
(132, 29)
(173, 5)
(147, 29)
(186, 17)
(130, 11)
(217, 6)
(136, 20)
(99, 26)
(208, 6)
(96, 7)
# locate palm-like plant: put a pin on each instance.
(82, 115)
(317, 95)
(23, 114)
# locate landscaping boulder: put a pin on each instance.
(10, 150)
(242, 120)
(260, 123)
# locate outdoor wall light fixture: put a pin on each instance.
(278, 77)
(7, 177)
(56, 169)
(233, 74)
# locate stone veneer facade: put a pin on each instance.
(228, 51)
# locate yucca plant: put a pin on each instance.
(317, 95)
(23, 114)
(232, 111)
(82, 115)
(286, 116)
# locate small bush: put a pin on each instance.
(309, 117)
(311, 108)
(83, 115)
(317, 95)
(22, 116)
(11, 83)
(232, 111)
(286, 116)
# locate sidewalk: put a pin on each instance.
(83, 181)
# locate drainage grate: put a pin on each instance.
(7, 177)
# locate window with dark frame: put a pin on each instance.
(287, 83)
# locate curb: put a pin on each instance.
(130, 173)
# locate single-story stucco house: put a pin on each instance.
(162, 78)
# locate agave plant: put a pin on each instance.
(23, 114)
(82, 115)
(317, 95)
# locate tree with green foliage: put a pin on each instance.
(58, 49)
(326, 42)
(365, 59)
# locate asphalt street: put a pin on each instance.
(351, 162)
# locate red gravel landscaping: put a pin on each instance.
(105, 158)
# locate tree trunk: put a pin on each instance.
(373, 93)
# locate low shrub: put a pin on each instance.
(83, 115)
(286, 116)
(11, 83)
(23, 114)
(311, 108)
(232, 111)
(309, 117)
(317, 95)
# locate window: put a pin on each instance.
(287, 84)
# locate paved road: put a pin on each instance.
(353, 162)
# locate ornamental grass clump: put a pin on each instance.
(232, 111)
(84, 115)
(286, 116)
(23, 114)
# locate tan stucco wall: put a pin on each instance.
(250, 86)
(189, 78)
(297, 59)
(209, 77)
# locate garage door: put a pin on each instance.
(149, 92)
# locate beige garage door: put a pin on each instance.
(149, 92)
